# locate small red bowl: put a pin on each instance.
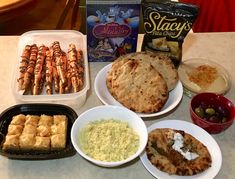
(216, 100)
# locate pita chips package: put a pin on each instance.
(166, 24)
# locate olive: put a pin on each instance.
(210, 111)
(203, 105)
(199, 111)
(213, 119)
(224, 119)
(222, 111)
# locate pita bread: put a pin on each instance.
(137, 85)
(163, 156)
(162, 63)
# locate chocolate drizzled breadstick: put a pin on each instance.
(49, 71)
(28, 77)
(23, 66)
(38, 71)
(76, 67)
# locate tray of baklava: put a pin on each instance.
(37, 131)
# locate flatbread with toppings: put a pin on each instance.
(176, 152)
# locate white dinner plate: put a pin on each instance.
(104, 95)
(199, 134)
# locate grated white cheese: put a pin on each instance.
(109, 140)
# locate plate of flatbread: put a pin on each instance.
(205, 157)
(103, 93)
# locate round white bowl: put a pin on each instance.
(110, 112)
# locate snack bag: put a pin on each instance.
(166, 24)
(112, 28)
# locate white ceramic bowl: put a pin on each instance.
(110, 112)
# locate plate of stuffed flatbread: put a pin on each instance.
(178, 149)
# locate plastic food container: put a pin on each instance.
(47, 37)
(37, 109)
(196, 72)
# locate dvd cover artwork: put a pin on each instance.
(112, 30)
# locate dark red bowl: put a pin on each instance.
(216, 100)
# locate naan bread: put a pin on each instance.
(165, 158)
(137, 85)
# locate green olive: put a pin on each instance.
(210, 111)
(199, 111)
(224, 119)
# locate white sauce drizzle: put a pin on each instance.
(178, 144)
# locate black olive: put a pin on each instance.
(203, 105)
(222, 111)
(214, 119)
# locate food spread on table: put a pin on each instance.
(140, 81)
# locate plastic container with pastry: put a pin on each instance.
(36, 131)
(51, 66)
(201, 75)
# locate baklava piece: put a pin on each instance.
(43, 131)
(60, 128)
(18, 120)
(27, 141)
(30, 129)
(59, 119)
(60, 125)
(45, 120)
(14, 129)
(32, 120)
(58, 141)
(11, 142)
(42, 143)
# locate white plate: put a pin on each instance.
(104, 95)
(199, 134)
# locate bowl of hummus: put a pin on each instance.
(200, 75)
